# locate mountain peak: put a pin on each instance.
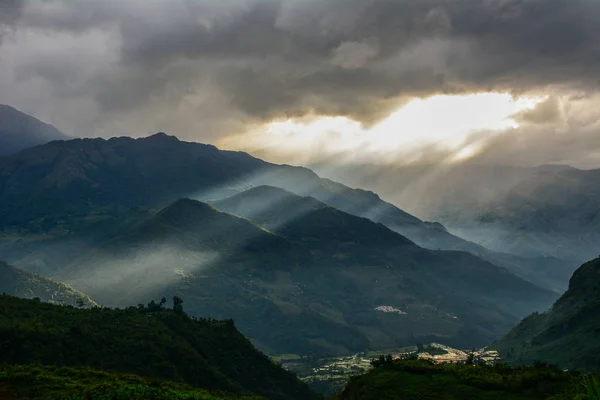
(186, 209)
(162, 136)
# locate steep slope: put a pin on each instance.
(19, 131)
(149, 341)
(327, 282)
(568, 334)
(16, 282)
(62, 189)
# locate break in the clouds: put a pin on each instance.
(206, 70)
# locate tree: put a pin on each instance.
(80, 303)
(153, 306)
(177, 304)
(471, 357)
(163, 301)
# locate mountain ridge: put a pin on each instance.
(19, 131)
(93, 178)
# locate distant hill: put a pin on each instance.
(149, 341)
(553, 212)
(318, 283)
(61, 191)
(16, 282)
(19, 131)
(568, 334)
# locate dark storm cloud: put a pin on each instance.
(360, 58)
(10, 13)
(284, 53)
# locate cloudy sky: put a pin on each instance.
(299, 81)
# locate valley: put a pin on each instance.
(299, 200)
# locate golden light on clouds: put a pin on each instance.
(441, 121)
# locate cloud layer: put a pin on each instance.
(207, 69)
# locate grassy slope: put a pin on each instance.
(39, 382)
(16, 282)
(568, 334)
(161, 344)
(421, 380)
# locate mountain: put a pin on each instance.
(546, 271)
(19, 131)
(326, 282)
(431, 190)
(554, 212)
(304, 218)
(568, 334)
(150, 341)
(16, 282)
(67, 195)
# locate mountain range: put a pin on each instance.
(304, 265)
(126, 220)
(547, 210)
(321, 283)
(63, 189)
(102, 215)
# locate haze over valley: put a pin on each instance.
(299, 186)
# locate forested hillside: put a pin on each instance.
(568, 334)
(147, 340)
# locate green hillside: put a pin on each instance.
(423, 380)
(149, 341)
(16, 282)
(41, 382)
(568, 334)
